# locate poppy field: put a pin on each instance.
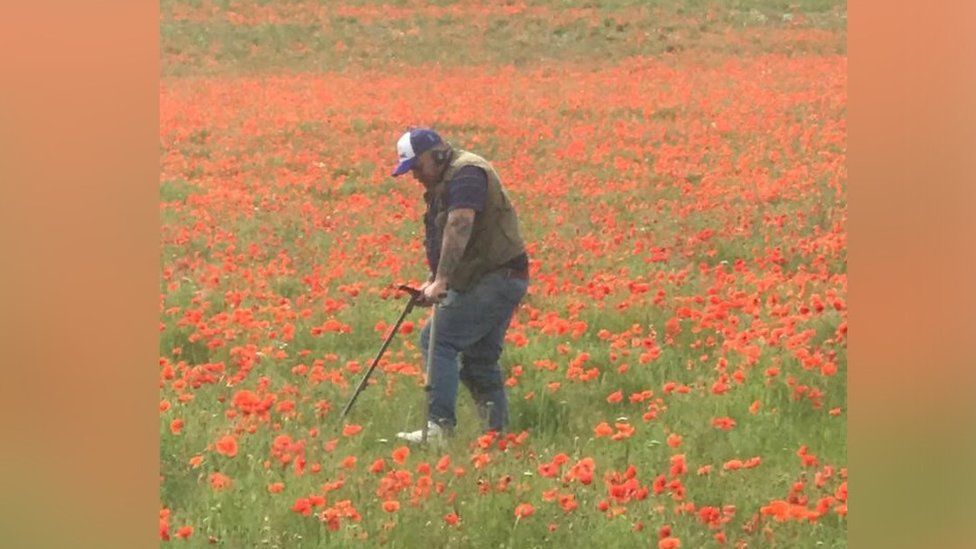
(677, 371)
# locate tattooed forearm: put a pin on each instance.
(457, 232)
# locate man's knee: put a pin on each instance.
(481, 361)
(484, 377)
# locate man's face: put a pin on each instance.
(425, 170)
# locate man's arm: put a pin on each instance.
(457, 232)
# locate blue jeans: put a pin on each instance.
(471, 327)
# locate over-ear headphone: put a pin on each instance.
(440, 156)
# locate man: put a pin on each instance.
(479, 273)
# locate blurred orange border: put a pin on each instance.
(79, 169)
(912, 139)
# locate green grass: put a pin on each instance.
(615, 31)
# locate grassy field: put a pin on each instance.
(677, 372)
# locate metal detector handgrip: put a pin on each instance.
(415, 295)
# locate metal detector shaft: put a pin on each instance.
(414, 294)
(427, 370)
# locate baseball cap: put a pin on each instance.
(411, 145)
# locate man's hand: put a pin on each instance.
(433, 292)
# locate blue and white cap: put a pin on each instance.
(411, 145)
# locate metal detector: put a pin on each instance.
(415, 296)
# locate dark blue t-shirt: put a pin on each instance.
(467, 189)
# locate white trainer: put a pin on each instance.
(434, 434)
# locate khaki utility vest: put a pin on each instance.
(495, 237)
